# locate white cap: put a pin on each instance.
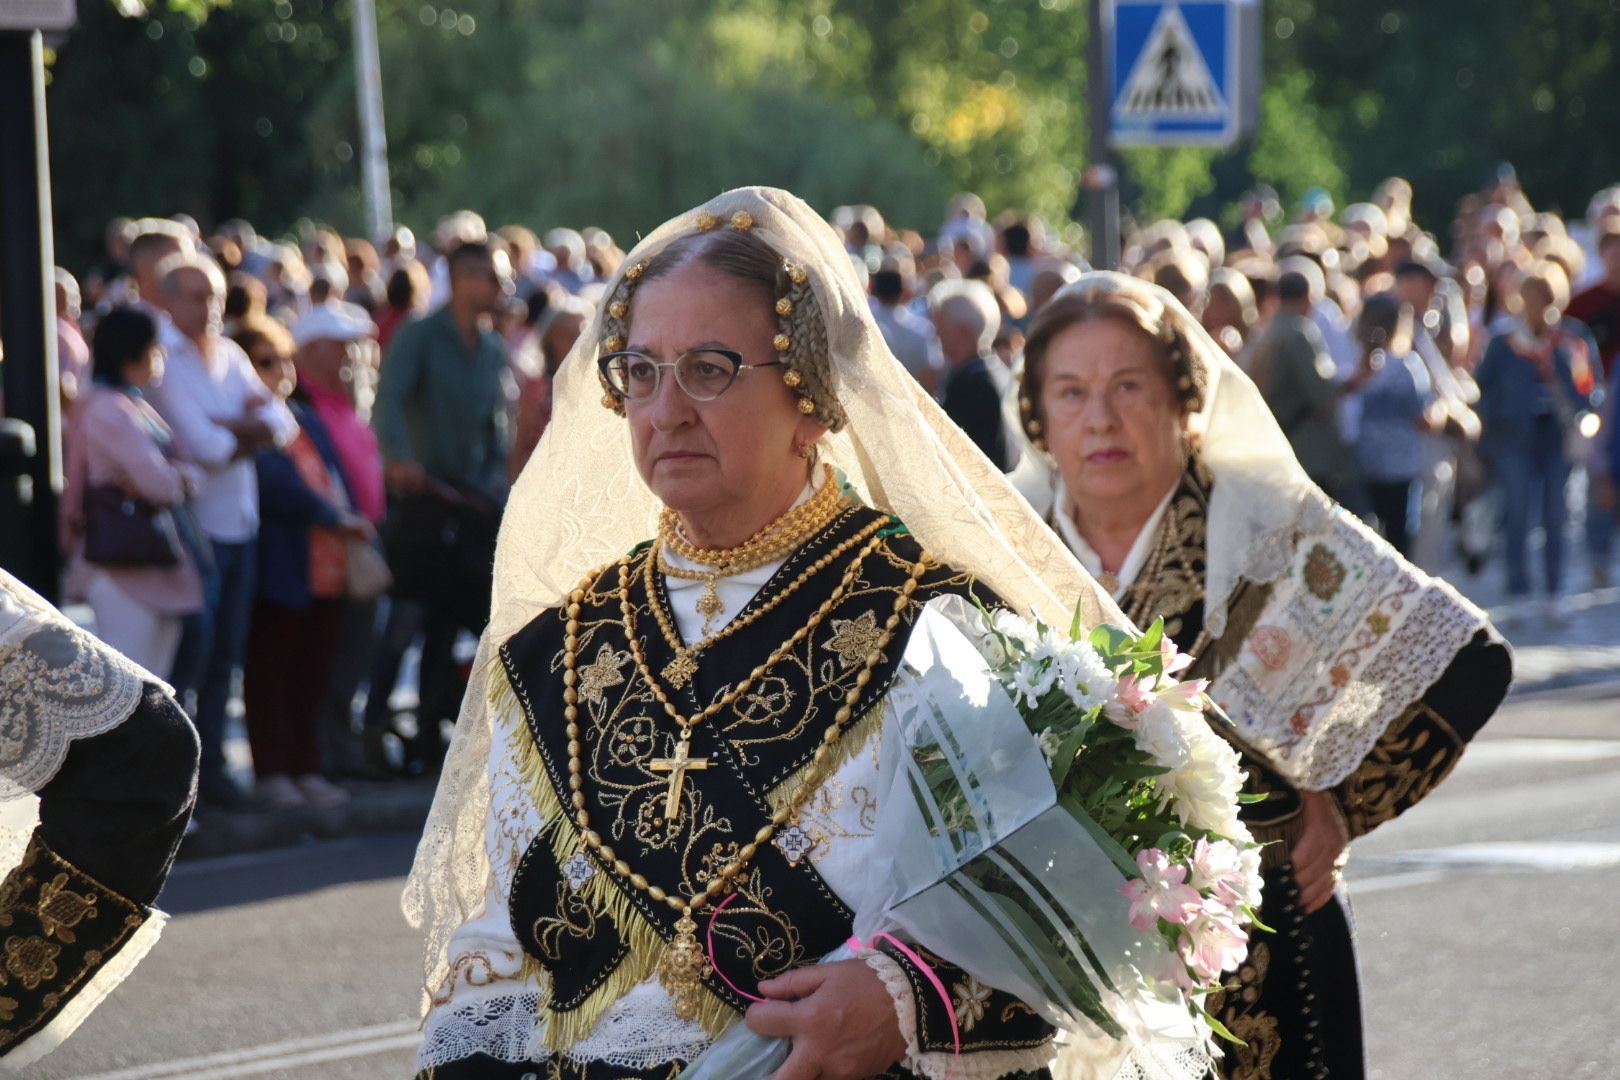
(334, 321)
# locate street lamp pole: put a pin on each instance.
(373, 138)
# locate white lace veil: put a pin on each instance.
(1262, 496)
(1317, 713)
(580, 503)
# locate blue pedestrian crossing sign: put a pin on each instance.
(1182, 72)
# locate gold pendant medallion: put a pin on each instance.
(679, 671)
(682, 968)
(709, 605)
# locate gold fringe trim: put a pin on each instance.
(853, 741)
(606, 898)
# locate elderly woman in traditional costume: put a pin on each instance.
(705, 580)
(1352, 679)
(98, 777)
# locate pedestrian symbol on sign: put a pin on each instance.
(1170, 79)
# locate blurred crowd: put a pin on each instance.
(1455, 388)
(287, 460)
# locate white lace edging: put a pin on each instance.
(979, 1065)
(633, 1034)
(61, 684)
(102, 983)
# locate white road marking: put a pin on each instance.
(257, 1060)
(1422, 867)
(1497, 753)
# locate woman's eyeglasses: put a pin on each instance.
(704, 374)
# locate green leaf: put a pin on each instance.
(1068, 750)
(1220, 1029)
(1110, 847)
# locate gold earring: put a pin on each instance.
(808, 451)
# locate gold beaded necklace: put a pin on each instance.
(786, 534)
(679, 671)
(682, 967)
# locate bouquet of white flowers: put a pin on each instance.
(1061, 823)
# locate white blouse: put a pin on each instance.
(1135, 559)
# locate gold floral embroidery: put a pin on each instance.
(854, 639)
(1416, 752)
(61, 909)
(972, 997)
(575, 918)
(755, 937)
(31, 959)
(1173, 583)
(1015, 1008)
(605, 672)
(1257, 1028)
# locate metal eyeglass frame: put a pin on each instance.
(604, 362)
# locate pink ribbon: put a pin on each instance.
(933, 980)
(710, 938)
(856, 945)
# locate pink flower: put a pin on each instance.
(1213, 942)
(1217, 869)
(1134, 696)
(1172, 659)
(1160, 893)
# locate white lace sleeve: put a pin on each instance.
(488, 1006)
(57, 684)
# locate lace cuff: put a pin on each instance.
(974, 1064)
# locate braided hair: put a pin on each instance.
(801, 340)
(1188, 378)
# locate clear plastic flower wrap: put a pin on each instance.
(1058, 820)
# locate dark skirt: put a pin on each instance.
(1298, 1002)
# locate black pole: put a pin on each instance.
(1101, 178)
(28, 312)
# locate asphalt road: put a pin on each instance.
(1489, 921)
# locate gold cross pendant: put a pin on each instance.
(677, 767)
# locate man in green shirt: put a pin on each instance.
(442, 418)
(442, 405)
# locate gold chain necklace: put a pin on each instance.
(787, 533)
(682, 967)
(679, 671)
(1141, 596)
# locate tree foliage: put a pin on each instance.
(619, 112)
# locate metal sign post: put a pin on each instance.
(27, 300)
(1101, 178)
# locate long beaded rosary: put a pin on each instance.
(683, 966)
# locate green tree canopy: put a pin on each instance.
(620, 112)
